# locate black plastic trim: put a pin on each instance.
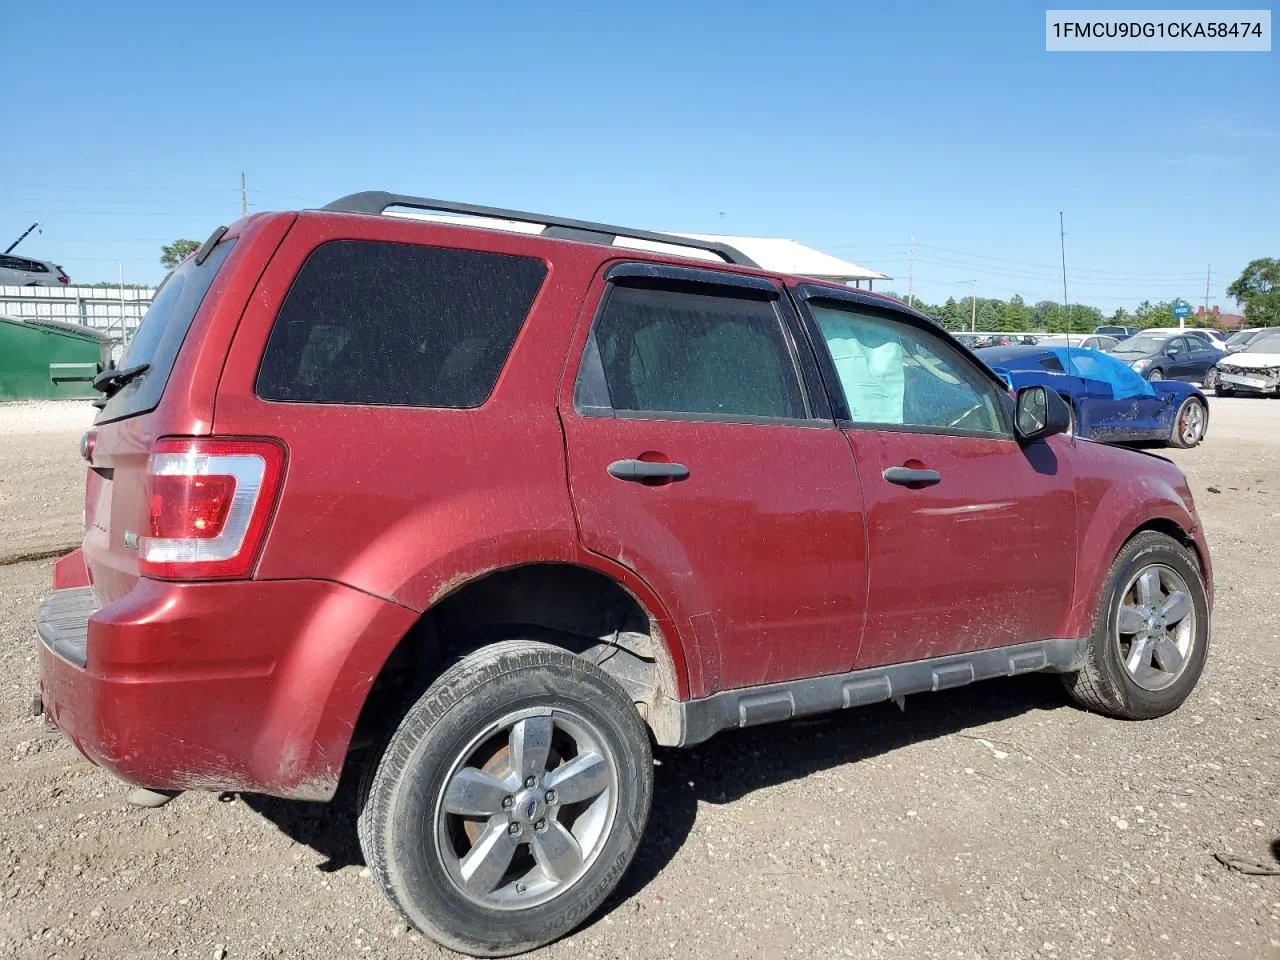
(668, 273)
(207, 247)
(376, 202)
(751, 706)
(63, 623)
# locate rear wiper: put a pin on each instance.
(111, 379)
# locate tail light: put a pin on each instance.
(208, 506)
(63, 278)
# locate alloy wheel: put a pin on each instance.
(1155, 627)
(526, 808)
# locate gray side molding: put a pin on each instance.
(694, 721)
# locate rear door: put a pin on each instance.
(702, 454)
(972, 537)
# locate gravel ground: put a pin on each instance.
(41, 476)
(993, 821)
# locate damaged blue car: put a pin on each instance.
(1108, 400)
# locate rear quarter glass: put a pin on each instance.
(159, 337)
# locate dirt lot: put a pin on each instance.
(994, 821)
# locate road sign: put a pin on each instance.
(1181, 310)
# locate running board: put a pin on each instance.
(699, 720)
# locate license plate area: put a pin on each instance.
(1256, 383)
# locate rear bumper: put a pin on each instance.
(247, 685)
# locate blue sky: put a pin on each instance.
(845, 126)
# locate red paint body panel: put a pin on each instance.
(70, 571)
(985, 558)
(409, 502)
(176, 695)
(784, 555)
(116, 505)
(1119, 491)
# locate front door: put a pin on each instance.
(972, 537)
(703, 458)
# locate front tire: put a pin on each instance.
(1189, 424)
(1210, 379)
(510, 800)
(1220, 391)
(1155, 375)
(1150, 635)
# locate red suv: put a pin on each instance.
(508, 507)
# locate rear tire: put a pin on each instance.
(510, 800)
(1139, 666)
(1189, 424)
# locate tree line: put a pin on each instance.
(1257, 290)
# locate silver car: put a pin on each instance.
(25, 272)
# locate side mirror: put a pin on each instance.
(1171, 351)
(1039, 412)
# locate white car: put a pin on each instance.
(1255, 369)
(25, 272)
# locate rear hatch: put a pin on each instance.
(131, 419)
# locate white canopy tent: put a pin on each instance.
(771, 253)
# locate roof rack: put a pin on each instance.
(561, 228)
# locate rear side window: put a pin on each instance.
(1051, 363)
(373, 323)
(160, 335)
(664, 351)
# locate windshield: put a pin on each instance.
(1142, 344)
(1240, 339)
(1270, 343)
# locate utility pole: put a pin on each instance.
(1207, 274)
(1066, 304)
(911, 272)
(973, 316)
(244, 196)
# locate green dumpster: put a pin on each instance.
(48, 359)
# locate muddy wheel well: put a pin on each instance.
(575, 608)
(1171, 529)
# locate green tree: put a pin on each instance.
(172, 254)
(1013, 316)
(1258, 290)
(1121, 318)
(1150, 314)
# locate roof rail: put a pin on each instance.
(561, 228)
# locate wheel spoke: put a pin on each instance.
(1149, 587)
(486, 863)
(473, 793)
(1138, 654)
(1168, 656)
(1176, 608)
(556, 851)
(580, 779)
(1130, 620)
(530, 744)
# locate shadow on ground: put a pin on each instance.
(723, 770)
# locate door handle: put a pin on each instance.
(912, 477)
(641, 471)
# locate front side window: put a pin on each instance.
(676, 352)
(894, 374)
